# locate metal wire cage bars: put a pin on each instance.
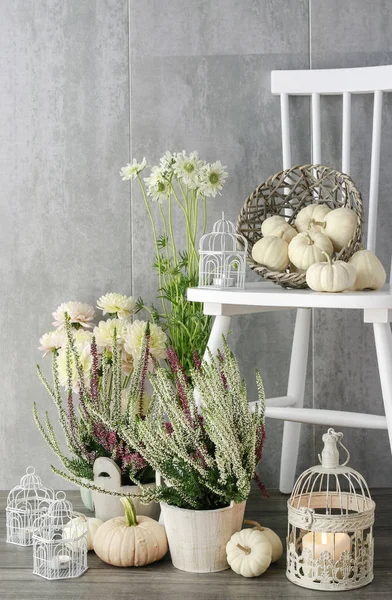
(330, 525)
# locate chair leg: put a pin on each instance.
(383, 339)
(295, 389)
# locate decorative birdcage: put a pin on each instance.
(26, 502)
(222, 261)
(60, 541)
(330, 530)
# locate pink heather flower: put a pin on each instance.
(168, 427)
(196, 360)
(111, 440)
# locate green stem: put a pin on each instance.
(130, 512)
(173, 244)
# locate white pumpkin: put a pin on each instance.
(340, 226)
(312, 212)
(271, 252)
(308, 248)
(272, 537)
(278, 227)
(249, 552)
(335, 276)
(75, 528)
(370, 272)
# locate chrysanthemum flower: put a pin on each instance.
(188, 168)
(104, 333)
(134, 339)
(117, 304)
(213, 178)
(132, 170)
(79, 314)
(53, 340)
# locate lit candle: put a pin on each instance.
(321, 541)
(223, 281)
(60, 562)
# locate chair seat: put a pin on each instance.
(267, 294)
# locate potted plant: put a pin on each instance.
(179, 186)
(207, 461)
(99, 368)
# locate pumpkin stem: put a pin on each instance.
(327, 255)
(319, 223)
(310, 239)
(130, 512)
(245, 549)
(255, 524)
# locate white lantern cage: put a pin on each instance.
(222, 263)
(60, 541)
(330, 524)
(25, 503)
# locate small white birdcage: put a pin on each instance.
(330, 529)
(222, 263)
(25, 503)
(60, 542)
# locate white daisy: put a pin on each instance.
(132, 170)
(104, 333)
(79, 314)
(134, 339)
(213, 178)
(167, 161)
(157, 185)
(188, 168)
(53, 340)
(117, 304)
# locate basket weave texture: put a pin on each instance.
(285, 194)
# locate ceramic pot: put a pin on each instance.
(107, 475)
(197, 538)
(87, 496)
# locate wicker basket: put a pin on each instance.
(285, 194)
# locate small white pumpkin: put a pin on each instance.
(75, 528)
(272, 252)
(308, 248)
(335, 276)
(371, 274)
(278, 227)
(340, 226)
(306, 217)
(272, 537)
(249, 552)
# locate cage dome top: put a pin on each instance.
(222, 238)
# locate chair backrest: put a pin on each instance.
(344, 82)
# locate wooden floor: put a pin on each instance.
(161, 580)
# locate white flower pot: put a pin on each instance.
(107, 475)
(197, 538)
(87, 496)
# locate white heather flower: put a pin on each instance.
(124, 402)
(134, 339)
(213, 178)
(53, 340)
(132, 170)
(119, 304)
(127, 363)
(79, 313)
(85, 359)
(104, 333)
(157, 185)
(188, 168)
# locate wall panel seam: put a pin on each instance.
(130, 140)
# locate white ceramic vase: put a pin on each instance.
(197, 538)
(107, 475)
(87, 496)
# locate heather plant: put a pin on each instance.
(206, 460)
(103, 390)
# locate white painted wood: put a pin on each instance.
(295, 389)
(334, 418)
(383, 339)
(286, 143)
(316, 130)
(220, 327)
(363, 80)
(374, 171)
(371, 315)
(107, 507)
(280, 401)
(197, 538)
(233, 310)
(271, 295)
(346, 136)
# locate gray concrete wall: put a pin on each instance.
(84, 85)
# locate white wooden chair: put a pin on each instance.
(265, 296)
